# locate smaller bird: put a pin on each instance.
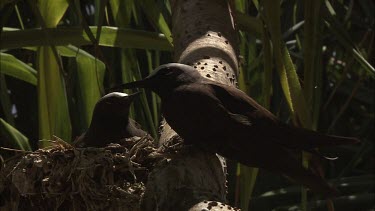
(110, 121)
(224, 120)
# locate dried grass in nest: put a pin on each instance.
(62, 176)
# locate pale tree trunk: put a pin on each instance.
(204, 37)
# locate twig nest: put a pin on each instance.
(63, 176)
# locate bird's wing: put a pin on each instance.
(239, 103)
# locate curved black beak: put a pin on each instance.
(136, 84)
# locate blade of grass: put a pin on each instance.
(53, 110)
(312, 53)
(155, 16)
(100, 18)
(121, 11)
(52, 102)
(288, 76)
(13, 137)
(268, 63)
(153, 96)
(252, 25)
(6, 12)
(110, 37)
(11, 66)
(19, 16)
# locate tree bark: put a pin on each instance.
(204, 37)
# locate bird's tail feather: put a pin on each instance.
(300, 138)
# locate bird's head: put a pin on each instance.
(114, 104)
(165, 78)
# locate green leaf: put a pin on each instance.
(53, 109)
(155, 16)
(121, 11)
(267, 62)
(288, 77)
(13, 137)
(110, 37)
(250, 24)
(312, 54)
(11, 66)
(248, 177)
(52, 11)
(90, 72)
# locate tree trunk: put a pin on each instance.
(204, 37)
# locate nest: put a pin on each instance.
(62, 176)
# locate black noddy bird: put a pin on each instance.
(110, 121)
(225, 120)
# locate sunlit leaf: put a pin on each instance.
(13, 137)
(155, 16)
(52, 11)
(11, 66)
(53, 111)
(121, 11)
(288, 77)
(110, 37)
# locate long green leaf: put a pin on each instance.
(121, 11)
(250, 24)
(11, 66)
(53, 109)
(52, 11)
(267, 63)
(155, 16)
(312, 53)
(13, 137)
(110, 37)
(285, 67)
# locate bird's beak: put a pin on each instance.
(132, 96)
(136, 84)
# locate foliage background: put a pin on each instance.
(58, 57)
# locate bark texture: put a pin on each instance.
(204, 37)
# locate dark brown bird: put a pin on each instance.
(225, 120)
(110, 121)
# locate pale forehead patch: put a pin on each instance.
(116, 94)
